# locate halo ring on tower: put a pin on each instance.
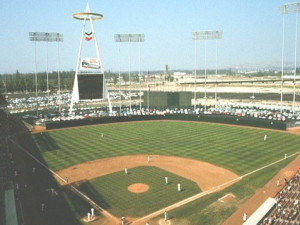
(87, 16)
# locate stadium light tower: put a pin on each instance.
(217, 66)
(117, 39)
(130, 38)
(45, 37)
(205, 35)
(289, 9)
(58, 38)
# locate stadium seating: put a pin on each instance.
(287, 206)
(6, 179)
(5, 171)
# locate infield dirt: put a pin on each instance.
(138, 188)
(206, 175)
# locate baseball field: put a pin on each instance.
(199, 156)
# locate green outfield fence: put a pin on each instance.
(244, 121)
(168, 99)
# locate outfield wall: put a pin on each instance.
(244, 121)
(168, 99)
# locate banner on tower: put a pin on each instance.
(88, 36)
(89, 64)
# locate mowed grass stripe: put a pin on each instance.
(239, 149)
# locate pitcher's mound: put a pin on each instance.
(138, 188)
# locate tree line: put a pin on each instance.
(25, 82)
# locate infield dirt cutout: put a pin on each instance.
(138, 188)
(206, 175)
(226, 198)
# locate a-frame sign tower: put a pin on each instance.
(89, 83)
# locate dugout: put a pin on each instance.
(168, 99)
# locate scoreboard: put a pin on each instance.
(90, 86)
(168, 99)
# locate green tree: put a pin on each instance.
(125, 77)
(115, 80)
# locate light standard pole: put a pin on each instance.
(289, 9)
(140, 75)
(129, 73)
(47, 72)
(148, 91)
(45, 37)
(59, 38)
(205, 35)
(295, 69)
(130, 38)
(120, 77)
(282, 58)
(195, 74)
(216, 72)
(35, 73)
(205, 74)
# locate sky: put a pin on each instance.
(252, 33)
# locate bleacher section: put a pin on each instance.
(286, 210)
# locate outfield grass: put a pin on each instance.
(239, 149)
(111, 191)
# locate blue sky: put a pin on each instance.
(252, 32)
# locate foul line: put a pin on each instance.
(214, 189)
(92, 203)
